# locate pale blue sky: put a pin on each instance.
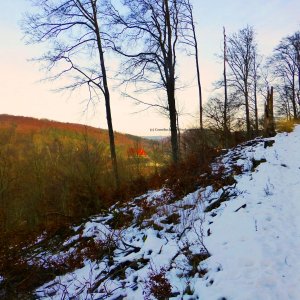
(22, 94)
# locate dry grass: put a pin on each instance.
(284, 125)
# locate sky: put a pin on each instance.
(23, 93)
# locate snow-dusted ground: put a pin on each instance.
(253, 238)
(258, 246)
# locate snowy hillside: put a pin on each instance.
(236, 240)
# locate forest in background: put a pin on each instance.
(51, 173)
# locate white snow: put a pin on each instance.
(258, 246)
(253, 240)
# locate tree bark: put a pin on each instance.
(173, 122)
(197, 68)
(225, 91)
(255, 96)
(247, 111)
(107, 98)
(294, 98)
(269, 124)
(171, 87)
(199, 86)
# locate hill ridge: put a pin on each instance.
(27, 124)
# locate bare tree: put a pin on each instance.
(73, 31)
(284, 66)
(225, 86)
(240, 58)
(191, 40)
(295, 42)
(269, 124)
(240, 79)
(214, 113)
(152, 31)
(256, 66)
(283, 101)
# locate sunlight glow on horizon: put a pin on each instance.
(22, 94)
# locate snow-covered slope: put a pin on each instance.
(238, 241)
(257, 247)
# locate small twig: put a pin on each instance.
(243, 206)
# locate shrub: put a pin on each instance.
(286, 125)
(157, 285)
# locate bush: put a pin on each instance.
(157, 285)
(284, 125)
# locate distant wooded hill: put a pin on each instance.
(33, 125)
(51, 171)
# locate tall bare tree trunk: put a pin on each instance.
(225, 90)
(199, 85)
(255, 96)
(173, 122)
(197, 66)
(170, 75)
(294, 98)
(269, 124)
(255, 109)
(248, 125)
(178, 135)
(107, 98)
(288, 109)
